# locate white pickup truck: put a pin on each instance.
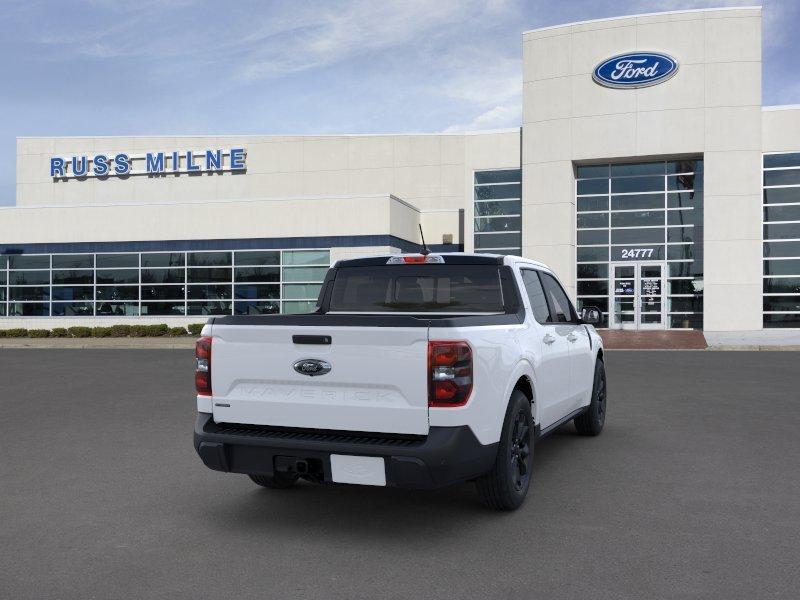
(414, 371)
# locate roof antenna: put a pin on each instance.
(424, 250)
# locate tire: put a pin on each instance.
(591, 422)
(279, 481)
(506, 485)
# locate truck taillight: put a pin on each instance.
(202, 373)
(449, 373)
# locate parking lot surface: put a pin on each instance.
(692, 491)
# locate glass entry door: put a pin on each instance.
(637, 295)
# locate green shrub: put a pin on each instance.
(138, 330)
(17, 332)
(177, 331)
(120, 330)
(101, 332)
(195, 328)
(59, 332)
(38, 333)
(2, 333)
(157, 330)
(80, 332)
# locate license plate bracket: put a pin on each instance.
(360, 470)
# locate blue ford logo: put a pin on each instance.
(635, 70)
(312, 367)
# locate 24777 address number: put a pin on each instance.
(637, 252)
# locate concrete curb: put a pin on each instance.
(719, 348)
(159, 343)
(756, 347)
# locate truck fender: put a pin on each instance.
(523, 369)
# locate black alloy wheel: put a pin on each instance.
(507, 484)
(592, 420)
(521, 451)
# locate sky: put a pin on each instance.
(160, 67)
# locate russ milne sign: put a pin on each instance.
(150, 163)
(635, 70)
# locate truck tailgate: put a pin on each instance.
(377, 381)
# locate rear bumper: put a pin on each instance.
(446, 455)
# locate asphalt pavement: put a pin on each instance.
(692, 491)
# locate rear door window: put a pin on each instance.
(560, 307)
(536, 295)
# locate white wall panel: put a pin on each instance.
(710, 108)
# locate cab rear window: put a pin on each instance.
(447, 289)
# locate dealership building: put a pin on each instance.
(646, 173)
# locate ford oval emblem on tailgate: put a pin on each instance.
(312, 367)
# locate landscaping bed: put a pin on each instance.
(115, 331)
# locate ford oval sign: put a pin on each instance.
(635, 70)
(312, 367)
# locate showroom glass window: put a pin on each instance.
(781, 301)
(651, 211)
(498, 211)
(172, 283)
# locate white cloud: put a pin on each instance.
(259, 41)
(482, 77)
(780, 22)
(786, 94)
(497, 117)
(331, 34)
(484, 82)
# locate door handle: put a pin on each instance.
(572, 337)
(548, 339)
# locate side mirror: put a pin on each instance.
(591, 315)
